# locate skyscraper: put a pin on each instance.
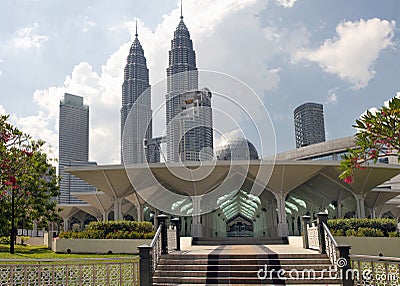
(188, 110)
(309, 124)
(136, 113)
(73, 146)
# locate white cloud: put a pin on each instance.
(286, 3)
(213, 25)
(352, 53)
(288, 41)
(27, 38)
(88, 24)
(332, 97)
(2, 110)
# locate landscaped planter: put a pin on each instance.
(102, 246)
(387, 246)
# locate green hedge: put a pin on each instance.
(113, 230)
(363, 227)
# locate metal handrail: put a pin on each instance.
(158, 234)
(156, 248)
(328, 232)
(331, 246)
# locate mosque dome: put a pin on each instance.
(236, 149)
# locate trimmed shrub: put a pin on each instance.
(351, 232)
(5, 240)
(394, 234)
(350, 227)
(113, 230)
(369, 232)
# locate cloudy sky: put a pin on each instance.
(344, 54)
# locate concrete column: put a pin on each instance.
(339, 210)
(139, 209)
(283, 229)
(197, 228)
(360, 205)
(66, 224)
(118, 209)
(373, 212)
(105, 216)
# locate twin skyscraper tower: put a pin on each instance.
(189, 127)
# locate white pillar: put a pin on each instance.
(66, 224)
(118, 208)
(339, 210)
(373, 212)
(197, 228)
(283, 229)
(360, 205)
(139, 208)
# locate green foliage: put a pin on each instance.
(351, 232)
(27, 176)
(113, 230)
(378, 135)
(394, 234)
(5, 240)
(369, 232)
(42, 252)
(362, 227)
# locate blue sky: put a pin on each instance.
(344, 54)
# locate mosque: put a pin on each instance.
(237, 194)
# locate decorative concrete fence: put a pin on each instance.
(356, 269)
(102, 246)
(68, 272)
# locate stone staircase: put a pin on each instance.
(188, 269)
(239, 240)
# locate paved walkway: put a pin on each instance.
(295, 246)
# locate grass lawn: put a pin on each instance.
(42, 252)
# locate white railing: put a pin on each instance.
(156, 248)
(375, 270)
(331, 246)
(68, 272)
(313, 239)
(171, 235)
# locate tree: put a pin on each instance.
(28, 182)
(378, 135)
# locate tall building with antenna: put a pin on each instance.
(188, 110)
(136, 113)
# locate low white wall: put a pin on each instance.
(37, 241)
(387, 246)
(101, 246)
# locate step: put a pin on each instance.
(240, 273)
(243, 261)
(238, 241)
(244, 267)
(189, 256)
(239, 280)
